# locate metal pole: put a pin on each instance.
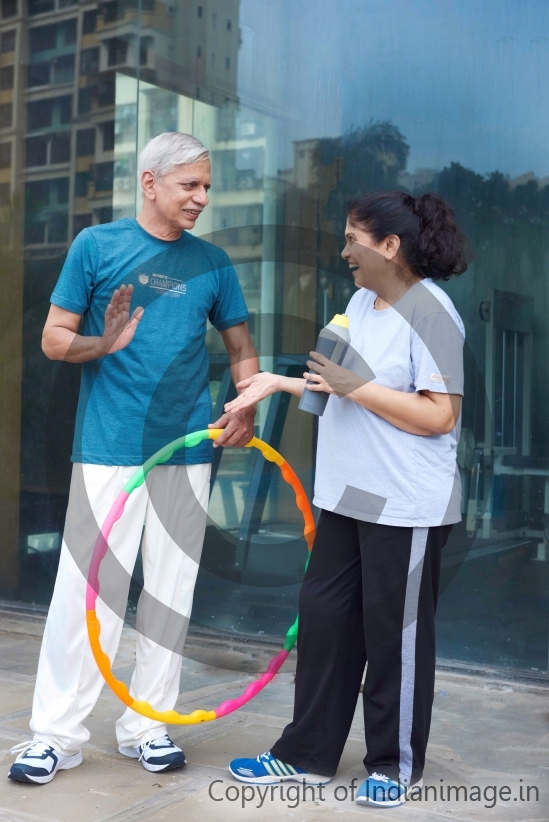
(515, 387)
(503, 375)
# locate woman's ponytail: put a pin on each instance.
(441, 246)
(431, 243)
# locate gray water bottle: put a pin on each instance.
(333, 342)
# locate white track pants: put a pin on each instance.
(172, 508)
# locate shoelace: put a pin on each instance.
(267, 755)
(23, 747)
(146, 745)
(380, 777)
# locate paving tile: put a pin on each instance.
(484, 733)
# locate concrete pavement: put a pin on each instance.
(490, 740)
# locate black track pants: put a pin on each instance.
(370, 593)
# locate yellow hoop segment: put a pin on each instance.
(94, 626)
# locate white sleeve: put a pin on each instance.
(437, 354)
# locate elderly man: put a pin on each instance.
(144, 383)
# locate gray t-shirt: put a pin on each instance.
(366, 467)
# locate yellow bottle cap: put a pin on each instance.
(341, 319)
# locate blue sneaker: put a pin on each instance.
(266, 770)
(379, 790)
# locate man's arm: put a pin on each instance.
(60, 340)
(243, 362)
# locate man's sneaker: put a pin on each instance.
(39, 763)
(379, 790)
(157, 754)
(266, 770)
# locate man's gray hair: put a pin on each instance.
(173, 148)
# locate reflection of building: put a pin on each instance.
(238, 143)
(421, 179)
(67, 169)
(529, 177)
(57, 88)
(310, 291)
(242, 185)
(11, 72)
(304, 172)
(72, 119)
(61, 62)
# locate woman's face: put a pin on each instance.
(368, 260)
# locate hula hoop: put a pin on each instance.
(101, 548)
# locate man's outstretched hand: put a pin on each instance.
(238, 428)
(119, 328)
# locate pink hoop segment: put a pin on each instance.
(102, 546)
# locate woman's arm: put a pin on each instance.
(426, 413)
(257, 387)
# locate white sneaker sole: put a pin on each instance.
(70, 762)
(133, 753)
(392, 803)
(310, 778)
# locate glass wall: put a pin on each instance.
(303, 106)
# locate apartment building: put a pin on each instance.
(59, 61)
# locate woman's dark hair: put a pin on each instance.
(431, 243)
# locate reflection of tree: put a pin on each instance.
(494, 214)
(372, 158)
(507, 225)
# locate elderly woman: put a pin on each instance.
(389, 492)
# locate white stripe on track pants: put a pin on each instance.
(172, 507)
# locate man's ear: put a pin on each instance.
(148, 181)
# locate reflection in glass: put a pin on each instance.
(296, 128)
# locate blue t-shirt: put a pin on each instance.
(156, 389)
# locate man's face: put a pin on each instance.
(181, 195)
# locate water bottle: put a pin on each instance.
(333, 342)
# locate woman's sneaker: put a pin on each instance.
(379, 790)
(157, 754)
(39, 763)
(266, 770)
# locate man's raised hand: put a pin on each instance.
(119, 328)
